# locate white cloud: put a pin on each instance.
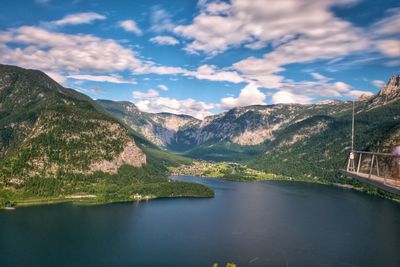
(204, 72)
(79, 18)
(210, 72)
(163, 87)
(247, 22)
(217, 8)
(164, 40)
(130, 26)
(307, 91)
(341, 86)
(101, 78)
(162, 70)
(298, 32)
(390, 48)
(286, 97)
(378, 83)
(319, 76)
(151, 101)
(389, 25)
(161, 20)
(355, 94)
(249, 95)
(151, 93)
(60, 52)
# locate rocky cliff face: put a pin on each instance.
(159, 128)
(389, 93)
(46, 130)
(245, 126)
(263, 129)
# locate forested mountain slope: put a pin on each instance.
(55, 142)
(291, 139)
(319, 145)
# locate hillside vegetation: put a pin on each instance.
(56, 143)
(303, 142)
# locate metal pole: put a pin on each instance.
(372, 164)
(359, 163)
(352, 131)
(351, 160)
(377, 166)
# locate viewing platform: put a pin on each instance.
(377, 169)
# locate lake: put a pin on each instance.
(272, 223)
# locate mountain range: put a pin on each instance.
(58, 138)
(274, 136)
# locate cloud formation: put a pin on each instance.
(161, 20)
(79, 18)
(378, 83)
(164, 40)
(101, 78)
(163, 87)
(60, 52)
(211, 73)
(130, 26)
(286, 97)
(151, 101)
(249, 95)
(297, 32)
(288, 32)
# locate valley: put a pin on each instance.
(58, 143)
(199, 133)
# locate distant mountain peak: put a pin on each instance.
(395, 80)
(392, 87)
(364, 97)
(389, 93)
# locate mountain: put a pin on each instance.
(290, 139)
(46, 129)
(389, 93)
(239, 133)
(317, 147)
(55, 141)
(159, 128)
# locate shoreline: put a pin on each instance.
(377, 192)
(89, 201)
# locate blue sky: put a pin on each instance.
(203, 57)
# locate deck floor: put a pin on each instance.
(391, 184)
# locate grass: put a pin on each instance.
(148, 182)
(226, 170)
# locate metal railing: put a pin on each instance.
(375, 166)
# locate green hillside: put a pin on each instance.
(56, 142)
(324, 153)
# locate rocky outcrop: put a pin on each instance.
(47, 130)
(389, 93)
(130, 155)
(392, 88)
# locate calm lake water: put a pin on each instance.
(250, 224)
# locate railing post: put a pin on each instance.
(377, 166)
(372, 164)
(359, 163)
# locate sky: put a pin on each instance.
(202, 57)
